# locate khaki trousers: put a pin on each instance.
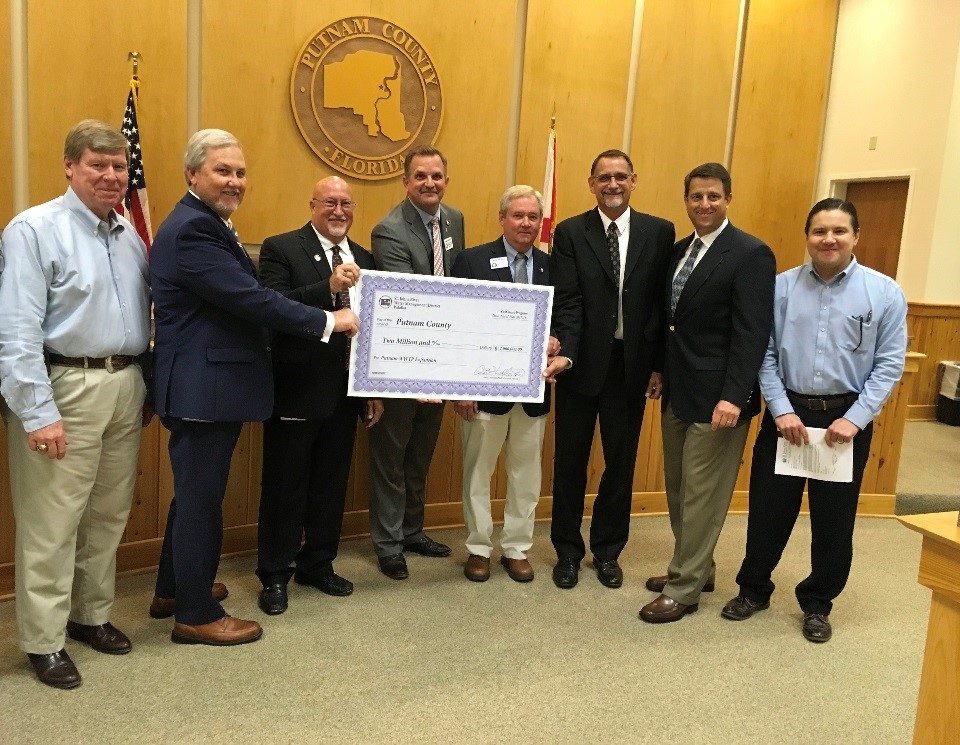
(700, 469)
(71, 513)
(482, 439)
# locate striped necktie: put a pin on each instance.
(437, 247)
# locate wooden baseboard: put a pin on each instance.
(238, 540)
(921, 412)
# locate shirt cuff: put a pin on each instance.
(328, 329)
(779, 406)
(859, 415)
(40, 417)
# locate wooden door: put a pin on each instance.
(881, 206)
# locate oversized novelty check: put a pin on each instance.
(439, 337)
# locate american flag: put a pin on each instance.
(135, 206)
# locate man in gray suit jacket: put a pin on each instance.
(418, 236)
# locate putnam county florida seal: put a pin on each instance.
(364, 91)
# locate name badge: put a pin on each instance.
(447, 243)
(499, 262)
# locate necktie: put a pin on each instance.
(520, 269)
(613, 244)
(437, 248)
(343, 297)
(233, 230)
(684, 274)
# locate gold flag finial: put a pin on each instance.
(135, 57)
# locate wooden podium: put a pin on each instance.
(938, 706)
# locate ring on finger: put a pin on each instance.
(41, 447)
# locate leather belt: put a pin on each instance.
(113, 363)
(822, 403)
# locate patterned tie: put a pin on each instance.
(437, 248)
(613, 243)
(343, 297)
(684, 274)
(520, 269)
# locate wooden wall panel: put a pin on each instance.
(89, 78)
(934, 330)
(576, 63)
(474, 58)
(577, 60)
(780, 114)
(6, 112)
(687, 54)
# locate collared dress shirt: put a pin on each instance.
(72, 283)
(707, 241)
(512, 255)
(829, 338)
(346, 255)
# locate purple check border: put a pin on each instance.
(532, 390)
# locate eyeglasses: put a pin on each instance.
(331, 204)
(606, 178)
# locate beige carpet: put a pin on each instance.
(929, 475)
(437, 658)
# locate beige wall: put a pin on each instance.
(895, 78)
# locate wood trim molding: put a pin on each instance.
(933, 310)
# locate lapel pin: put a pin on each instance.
(316, 257)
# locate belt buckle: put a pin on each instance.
(821, 404)
(108, 364)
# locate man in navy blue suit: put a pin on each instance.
(213, 372)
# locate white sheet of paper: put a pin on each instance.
(816, 460)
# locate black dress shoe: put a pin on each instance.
(566, 573)
(273, 599)
(428, 547)
(331, 584)
(656, 584)
(816, 628)
(395, 567)
(56, 669)
(103, 638)
(608, 572)
(741, 608)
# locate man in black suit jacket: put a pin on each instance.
(308, 442)
(487, 425)
(212, 373)
(608, 267)
(719, 302)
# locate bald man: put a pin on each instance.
(308, 442)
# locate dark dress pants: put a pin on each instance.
(621, 415)
(306, 466)
(200, 454)
(774, 507)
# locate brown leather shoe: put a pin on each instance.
(656, 584)
(224, 632)
(55, 669)
(519, 570)
(477, 568)
(164, 607)
(104, 638)
(666, 610)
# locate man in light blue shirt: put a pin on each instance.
(836, 351)
(74, 321)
